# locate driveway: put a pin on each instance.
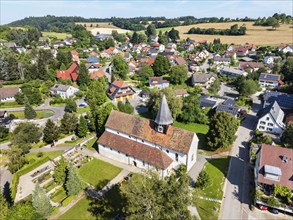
(228, 91)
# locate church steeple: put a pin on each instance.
(164, 116)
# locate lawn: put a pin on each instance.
(40, 114)
(81, 110)
(3, 158)
(106, 208)
(4, 140)
(59, 36)
(74, 142)
(98, 173)
(58, 195)
(217, 170)
(51, 155)
(10, 104)
(91, 145)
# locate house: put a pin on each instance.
(201, 55)
(109, 52)
(69, 41)
(148, 144)
(232, 72)
(242, 51)
(159, 47)
(284, 100)
(181, 93)
(95, 75)
(230, 54)
(7, 94)
(158, 82)
(246, 59)
(234, 110)
(273, 166)
(254, 66)
(10, 45)
(120, 91)
(144, 94)
(147, 61)
(285, 48)
(132, 66)
(127, 57)
(207, 102)
(44, 39)
(153, 52)
(71, 73)
(5, 119)
(92, 67)
(222, 61)
(102, 37)
(271, 80)
(58, 44)
(180, 61)
(171, 46)
(93, 59)
(271, 59)
(154, 39)
(75, 56)
(203, 79)
(65, 91)
(270, 119)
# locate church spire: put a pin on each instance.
(164, 116)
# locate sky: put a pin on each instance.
(12, 10)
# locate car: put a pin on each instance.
(274, 211)
(262, 207)
(82, 105)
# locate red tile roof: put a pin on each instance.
(97, 74)
(180, 61)
(74, 52)
(137, 150)
(70, 73)
(271, 155)
(176, 139)
(120, 84)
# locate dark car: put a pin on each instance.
(274, 211)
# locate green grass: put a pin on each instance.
(81, 110)
(51, 155)
(58, 195)
(4, 140)
(217, 170)
(3, 159)
(40, 114)
(10, 104)
(59, 36)
(91, 145)
(106, 208)
(98, 173)
(75, 142)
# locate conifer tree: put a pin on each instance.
(3, 205)
(41, 201)
(73, 184)
(60, 171)
(29, 112)
(51, 132)
(68, 123)
(82, 127)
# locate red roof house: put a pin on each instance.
(71, 73)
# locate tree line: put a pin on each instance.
(275, 19)
(234, 31)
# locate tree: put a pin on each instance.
(276, 25)
(178, 74)
(120, 67)
(173, 35)
(73, 183)
(82, 127)
(83, 76)
(41, 201)
(71, 105)
(23, 210)
(3, 131)
(161, 65)
(144, 73)
(68, 123)
(203, 179)
(60, 171)
(135, 38)
(284, 192)
(101, 116)
(248, 87)
(51, 132)
(192, 112)
(287, 70)
(223, 127)
(215, 87)
(29, 112)
(24, 134)
(287, 136)
(16, 159)
(149, 196)
(4, 206)
(127, 107)
(272, 201)
(151, 30)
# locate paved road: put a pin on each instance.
(227, 91)
(236, 199)
(4, 146)
(5, 180)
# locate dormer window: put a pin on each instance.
(272, 172)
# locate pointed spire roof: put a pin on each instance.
(164, 116)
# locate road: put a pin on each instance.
(227, 91)
(235, 204)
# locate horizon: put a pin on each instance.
(13, 10)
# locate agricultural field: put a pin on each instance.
(103, 27)
(258, 35)
(58, 36)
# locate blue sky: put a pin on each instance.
(12, 10)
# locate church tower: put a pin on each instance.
(164, 117)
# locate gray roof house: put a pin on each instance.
(204, 79)
(231, 72)
(270, 119)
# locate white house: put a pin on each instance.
(270, 59)
(158, 82)
(222, 60)
(285, 48)
(270, 119)
(7, 94)
(65, 91)
(203, 79)
(271, 80)
(148, 144)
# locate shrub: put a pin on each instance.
(40, 154)
(272, 201)
(202, 180)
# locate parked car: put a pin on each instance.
(274, 211)
(82, 104)
(262, 207)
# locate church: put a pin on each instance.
(148, 144)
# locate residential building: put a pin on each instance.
(271, 59)
(102, 37)
(69, 41)
(253, 66)
(71, 73)
(207, 102)
(284, 100)
(285, 48)
(5, 119)
(10, 45)
(7, 94)
(92, 67)
(93, 59)
(158, 82)
(270, 119)
(95, 75)
(203, 79)
(65, 91)
(232, 72)
(222, 61)
(271, 80)
(180, 61)
(234, 110)
(182, 93)
(148, 144)
(20, 49)
(120, 91)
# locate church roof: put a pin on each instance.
(175, 138)
(164, 116)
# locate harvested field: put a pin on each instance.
(258, 35)
(103, 27)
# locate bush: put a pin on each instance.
(31, 161)
(40, 154)
(274, 202)
(202, 180)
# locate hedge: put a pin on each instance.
(23, 171)
(66, 201)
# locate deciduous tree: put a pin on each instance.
(68, 123)
(3, 131)
(71, 105)
(161, 65)
(248, 87)
(83, 76)
(287, 136)
(178, 74)
(120, 67)
(16, 159)
(215, 87)
(23, 210)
